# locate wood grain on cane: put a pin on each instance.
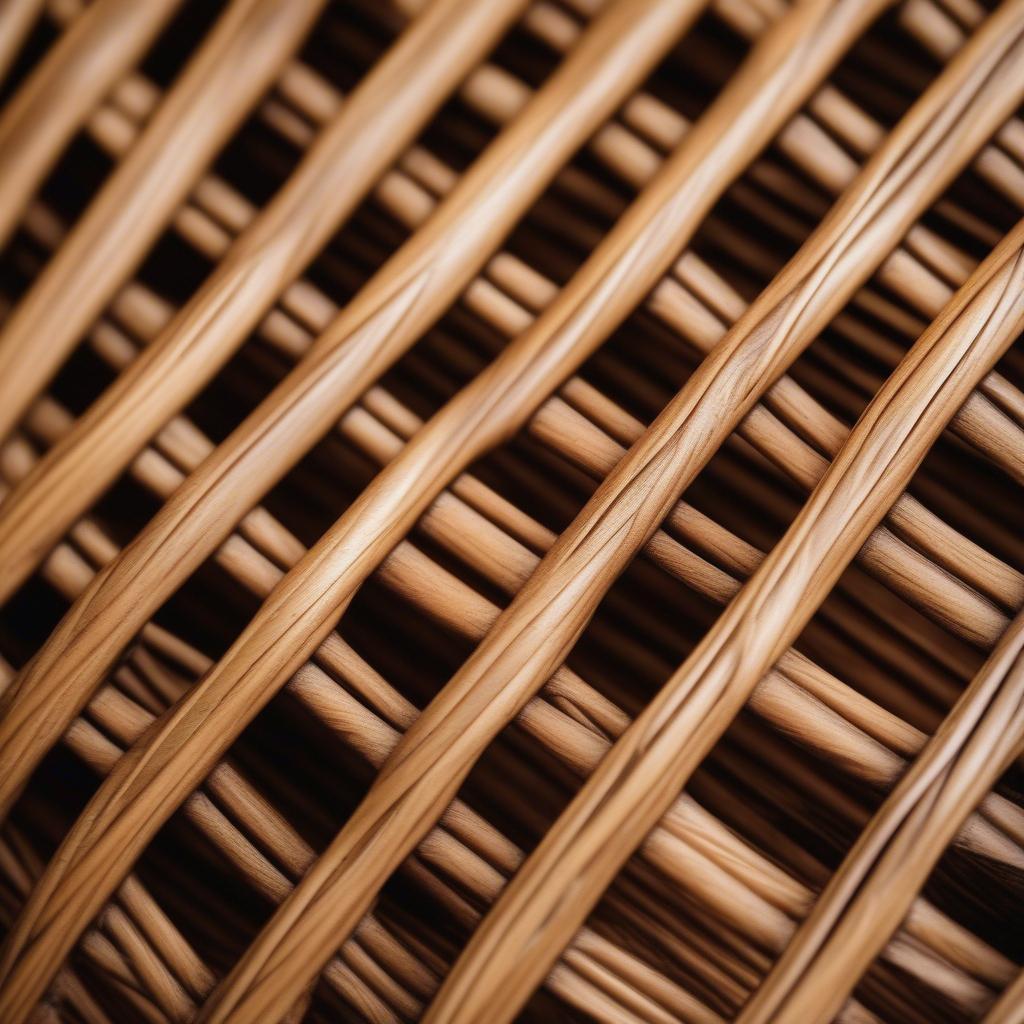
(539, 354)
(535, 486)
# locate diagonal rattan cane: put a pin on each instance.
(452, 601)
(551, 611)
(975, 743)
(61, 93)
(683, 166)
(442, 45)
(373, 332)
(551, 894)
(931, 534)
(702, 909)
(237, 62)
(969, 561)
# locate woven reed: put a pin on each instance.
(511, 510)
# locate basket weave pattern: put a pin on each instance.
(511, 511)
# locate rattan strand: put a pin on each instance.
(548, 614)
(989, 426)
(206, 235)
(765, 119)
(450, 602)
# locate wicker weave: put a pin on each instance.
(511, 511)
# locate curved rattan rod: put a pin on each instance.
(871, 891)
(563, 992)
(361, 731)
(548, 130)
(58, 96)
(833, 168)
(974, 554)
(69, 573)
(925, 530)
(97, 948)
(214, 254)
(803, 141)
(385, 112)
(460, 613)
(127, 721)
(453, 604)
(448, 250)
(574, 440)
(359, 727)
(359, 724)
(584, 449)
(371, 736)
(540, 625)
(638, 779)
(121, 921)
(201, 450)
(208, 239)
(25, 543)
(236, 62)
(205, 240)
(119, 950)
(80, 584)
(794, 83)
(816, 153)
(448, 601)
(828, 164)
(980, 422)
(50, 520)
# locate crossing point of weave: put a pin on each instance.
(512, 511)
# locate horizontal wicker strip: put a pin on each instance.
(511, 510)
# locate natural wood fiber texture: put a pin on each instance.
(103, 44)
(550, 612)
(236, 63)
(857, 685)
(868, 896)
(476, 421)
(923, 525)
(992, 570)
(635, 782)
(393, 309)
(162, 481)
(412, 574)
(409, 84)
